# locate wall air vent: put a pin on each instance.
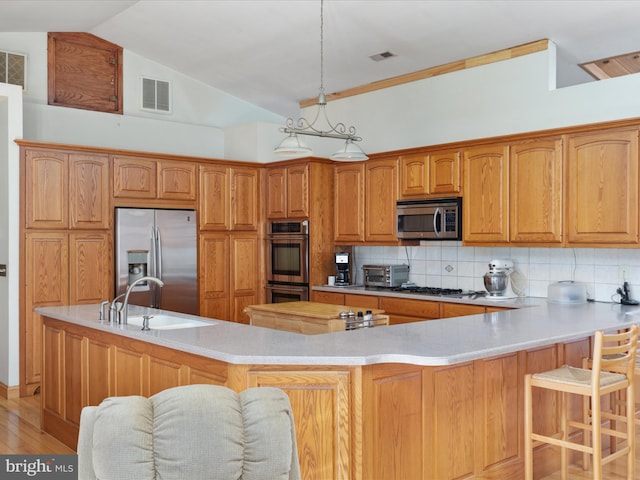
(13, 68)
(382, 56)
(156, 95)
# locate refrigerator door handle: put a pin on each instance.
(158, 254)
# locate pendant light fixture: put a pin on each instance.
(292, 145)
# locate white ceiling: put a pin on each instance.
(267, 52)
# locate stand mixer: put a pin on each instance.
(497, 280)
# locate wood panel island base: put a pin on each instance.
(358, 415)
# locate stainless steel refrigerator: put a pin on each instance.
(160, 243)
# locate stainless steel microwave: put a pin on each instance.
(430, 219)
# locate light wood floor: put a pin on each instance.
(20, 433)
(20, 428)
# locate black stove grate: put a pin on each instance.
(429, 290)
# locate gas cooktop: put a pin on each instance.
(428, 290)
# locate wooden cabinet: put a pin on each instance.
(381, 180)
(142, 178)
(403, 310)
(65, 237)
(321, 404)
(365, 204)
(602, 188)
(486, 193)
(60, 269)
(228, 198)
(448, 310)
(229, 275)
(536, 191)
(288, 192)
(66, 190)
(425, 174)
(349, 203)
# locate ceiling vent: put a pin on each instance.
(156, 95)
(614, 66)
(382, 56)
(13, 68)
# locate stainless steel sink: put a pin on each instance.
(163, 321)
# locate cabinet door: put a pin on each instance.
(535, 196)
(380, 200)
(244, 274)
(277, 192)
(602, 188)
(46, 284)
(46, 189)
(177, 180)
(214, 198)
(90, 265)
(298, 191)
(134, 178)
(320, 404)
(414, 175)
(485, 204)
(244, 198)
(444, 172)
(349, 203)
(214, 275)
(89, 191)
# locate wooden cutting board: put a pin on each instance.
(308, 309)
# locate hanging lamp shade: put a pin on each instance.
(292, 145)
(350, 152)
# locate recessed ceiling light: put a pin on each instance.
(382, 56)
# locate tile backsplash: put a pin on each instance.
(449, 264)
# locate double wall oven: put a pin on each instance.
(288, 262)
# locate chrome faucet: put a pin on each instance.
(122, 312)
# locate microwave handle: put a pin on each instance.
(436, 222)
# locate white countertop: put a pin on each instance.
(433, 342)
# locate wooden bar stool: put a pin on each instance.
(614, 357)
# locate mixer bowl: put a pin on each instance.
(496, 283)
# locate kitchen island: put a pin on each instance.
(440, 399)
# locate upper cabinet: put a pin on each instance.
(66, 190)
(429, 174)
(381, 180)
(535, 193)
(365, 201)
(602, 188)
(143, 178)
(228, 198)
(349, 203)
(485, 201)
(288, 191)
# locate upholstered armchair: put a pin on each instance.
(191, 432)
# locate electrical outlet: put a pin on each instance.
(623, 273)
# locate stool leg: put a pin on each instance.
(586, 419)
(631, 433)
(596, 424)
(565, 435)
(528, 429)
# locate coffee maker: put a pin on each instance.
(343, 262)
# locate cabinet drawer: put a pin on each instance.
(459, 310)
(361, 301)
(329, 297)
(414, 308)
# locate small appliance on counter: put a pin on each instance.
(625, 295)
(497, 280)
(385, 275)
(343, 262)
(566, 292)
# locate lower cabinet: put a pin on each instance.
(392, 421)
(61, 268)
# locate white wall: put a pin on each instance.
(10, 129)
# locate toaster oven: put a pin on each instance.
(385, 275)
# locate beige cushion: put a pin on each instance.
(192, 432)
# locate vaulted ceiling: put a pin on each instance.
(267, 52)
